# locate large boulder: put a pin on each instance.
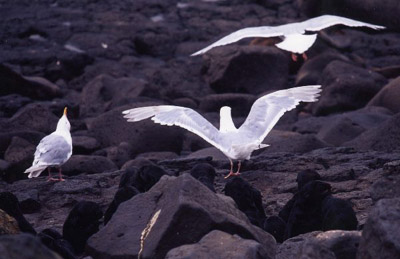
(105, 92)
(24, 246)
(218, 244)
(246, 69)
(346, 87)
(176, 211)
(78, 164)
(111, 128)
(380, 236)
(388, 96)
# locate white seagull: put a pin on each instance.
(53, 150)
(294, 38)
(235, 143)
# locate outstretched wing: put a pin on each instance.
(180, 116)
(325, 21)
(267, 110)
(263, 31)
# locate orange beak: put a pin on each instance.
(65, 111)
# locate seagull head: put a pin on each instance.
(226, 123)
(63, 124)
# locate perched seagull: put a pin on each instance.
(294, 38)
(53, 150)
(235, 143)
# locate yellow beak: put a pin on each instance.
(65, 111)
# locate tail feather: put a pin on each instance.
(34, 171)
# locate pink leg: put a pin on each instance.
(231, 173)
(50, 178)
(60, 175)
(305, 56)
(294, 57)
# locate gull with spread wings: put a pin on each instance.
(235, 143)
(294, 35)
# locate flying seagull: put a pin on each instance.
(235, 143)
(294, 35)
(53, 150)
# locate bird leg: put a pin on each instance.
(294, 57)
(304, 56)
(231, 171)
(50, 178)
(60, 175)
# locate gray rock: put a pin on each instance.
(246, 69)
(84, 145)
(388, 96)
(119, 154)
(24, 246)
(380, 236)
(20, 156)
(338, 131)
(168, 211)
(78, 164)
(218, 244)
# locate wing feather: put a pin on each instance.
(325, 21)
(179, 116)
(267, 110)
(52, 150)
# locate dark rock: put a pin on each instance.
(388, 96)
(142, 179)
(20, 155)
(124, 193)
(35, 117)
(83, 145)
(306, 216)
(346, 87)
(137, 162)
(78, 164)
(120, 154)
(246, 69)
(380, 237)
(10, 104)
(339, 131)
(157, 156)
(382, 137)
(275, 225)
(305, 177)
(338, 214)
(240, 103)
(33, 87)
(105, 92)
(24, 246)
(168, 211)
(54, 241)
(311, 71)
(111, 129)
(372, 11)
(218, 244)
(247, 198)
(9, 204)
(385, 187)
(8, 225)
(29, 201)
(81, 223)
(205, 173)
(5, 138)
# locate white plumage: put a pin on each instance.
(295, 39)
(235, 143)
(53, 150)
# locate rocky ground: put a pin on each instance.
(99, 58)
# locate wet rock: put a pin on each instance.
(382, 137)
(240, 103)
(9, 204)
(218, 244)
(81, 223)
(8, 225)
(205, 173)
(100, 94)
(388, 96)
(78, 164)
(346, 87)
(172, 205)
(111, 129)
(247, 198)
(54, 241)
(33, 87)
(246, 69)
(24, 246)
(380, 237)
